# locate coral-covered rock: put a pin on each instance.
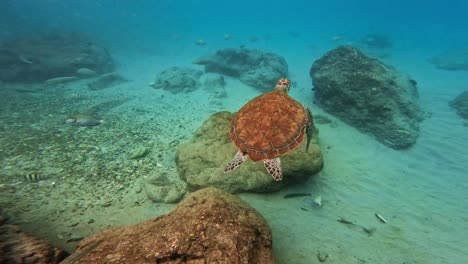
(253, 67)
(209, 226)
(367, 94)
(178, 80)
(201, 161)
(37, 59)
(460, 104)
(18, 247)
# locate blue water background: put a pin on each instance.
(411, 24)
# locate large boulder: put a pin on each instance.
(178, 80)
(369, 95)
(460, 104)
(454, 60)
(253, 67)
(19, 247)
(209, 226)
(201, 161)
(44, 57)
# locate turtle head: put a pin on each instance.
(283, 85)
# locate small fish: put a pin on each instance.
(318, 200)
(33, 177)
(227, 36)
(200, 42)
(291, 195)
(381, 218)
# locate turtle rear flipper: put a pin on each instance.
(273, 167)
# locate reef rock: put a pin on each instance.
(18, 247)
(161, 188)
(209, 226)
(253, 67)
(201, 161)
(369, 95)
(44, 57)
(460, 104)
(455, 60)
(178, 80)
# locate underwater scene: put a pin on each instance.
(290, 132)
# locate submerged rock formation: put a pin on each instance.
(253, 67)
(454, 60)
(48, 56)
(209, 226)
(460, 104)
(178, 80)
(18, 247)
(201, 161)
(369, 95)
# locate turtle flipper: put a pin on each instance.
(309, 128)
(273, 167)
(236, 161)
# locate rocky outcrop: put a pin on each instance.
(178, 80)
(209, 226)
(18, 247)
(201, 161)
(37, 59)
(454, 60)
(253, 67)
(369, 95)
(460, 104)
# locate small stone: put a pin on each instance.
(107, 204)
(139, 152)
(91, 221)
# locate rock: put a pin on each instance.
(178, 80)
(47, 56)
(368, 95)
(201, 161)
(209, 226)
(460, 104)
(18, 247)
(106, 81)
(139, 152)
(161, 188)
(454, 60)
(253, 67)
(215, 84)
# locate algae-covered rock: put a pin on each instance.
(369, 95)
(178, 80)
(209, 226)
(162, 189)
(201, 161)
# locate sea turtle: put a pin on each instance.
(270, 125)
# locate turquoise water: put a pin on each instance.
(421, 190)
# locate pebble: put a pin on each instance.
(91, 221)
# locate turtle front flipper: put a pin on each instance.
(236, 161)
(273, 167)
(309, 128)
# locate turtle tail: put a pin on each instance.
(309, 128)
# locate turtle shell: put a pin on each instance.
(269, 125)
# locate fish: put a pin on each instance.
(291, 195)
(381, 218)
(84, 120)
(33, 177)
